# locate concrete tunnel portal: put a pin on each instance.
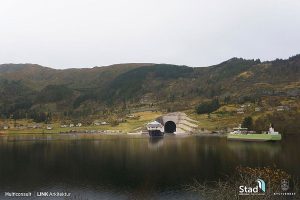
(177, 123)
(170, 127)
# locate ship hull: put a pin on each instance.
(254, 137)
(155, 133)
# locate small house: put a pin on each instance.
(240, 111)
(120, 120)
(79, 124)
(282, 108)
(131, 116)
(257, 109)
(36, 126)
(97, 123)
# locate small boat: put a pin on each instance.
(242, 134)
(155, 129)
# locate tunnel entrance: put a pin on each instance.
(170, 127)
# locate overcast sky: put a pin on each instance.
(87, 33)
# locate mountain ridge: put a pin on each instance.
(122, 86)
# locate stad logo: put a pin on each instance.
(285, 185)
(259, 189)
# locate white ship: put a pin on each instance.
(155, 129)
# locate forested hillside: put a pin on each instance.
(28, 88)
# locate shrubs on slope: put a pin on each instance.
(208, 107)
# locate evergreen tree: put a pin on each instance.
(248, 123)
(208, 107)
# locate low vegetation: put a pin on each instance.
(248, 123)
(208, 107)
(284, 122)
(228, 188)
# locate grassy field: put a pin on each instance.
(216, 122)
(128, 126)
(144, 118)
(224, 118)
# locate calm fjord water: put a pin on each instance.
(132, 167)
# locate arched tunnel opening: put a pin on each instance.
(170, 127)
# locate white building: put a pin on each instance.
(257, 109)
(79, 125)
(240, 111)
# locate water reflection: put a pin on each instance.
(114, 166)
(155, 142)
(265, 149)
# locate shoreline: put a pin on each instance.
(83, 135)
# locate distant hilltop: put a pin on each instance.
(137, 86)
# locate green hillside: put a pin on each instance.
(27, 88)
